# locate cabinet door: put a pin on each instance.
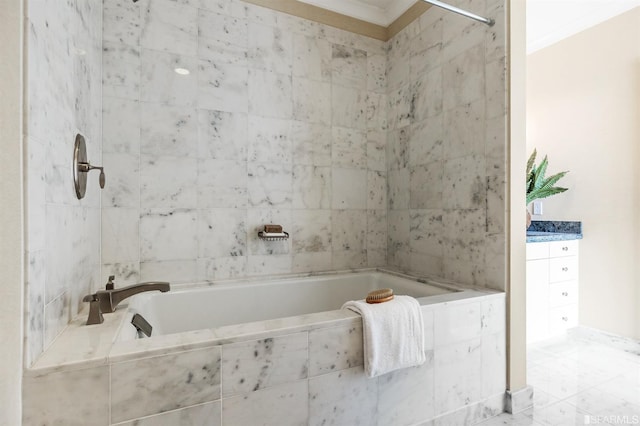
(537, 325)
(563, 293)
(563, 269)
(563, 248)
(562, 318)
(537, 286)
(537, 251)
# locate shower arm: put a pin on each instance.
(462, 12)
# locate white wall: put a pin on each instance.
(584, 113)
(11, 264)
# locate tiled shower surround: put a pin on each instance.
(446, 146)
(63, 96)
(280, 120)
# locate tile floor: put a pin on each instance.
(586, 377)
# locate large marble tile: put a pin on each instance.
(427, 95)
(270, 48)
(426, 141)
(426, 232)
(221, 27)
(222, 87)
(458, 374)
(560, 413)
(121, 22)
(311, 144)
(285, 405)
(348, 107)
(221, 267)
(270, 94)
(464, 183)
(376, 190)
(269, 140)
(494, 364)
(67, 398)
(345, 397)
(122, 188)
(168, 182)
(311, 58)
(406, 396)
(222, 233)
(349, 148)
(160, 83)
(426, 186)
(598, 403)
(121, 125)
(398, 182)
(377, 229)
(209, 414)
(268, 265)
(222, 135)
(352, 195)
(456, 323)
(348, 229)
(376, 73)
(311, 187)
(169, 26)
(155, 385)
(311, 101)
(168, 130)
(398, 149)
(168, 234)
(334, 349)
(311, 262)
(463, 78)
(222, 184)
(120, 235)
(311, 231)
(348, 67)
(259, 364)
(121, 70)
(464, 125)
(270, 185)
(377, 150)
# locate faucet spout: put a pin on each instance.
(110, 299)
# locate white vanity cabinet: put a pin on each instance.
(552, 288)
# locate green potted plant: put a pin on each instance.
(539, 186)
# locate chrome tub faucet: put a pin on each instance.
(106, 301)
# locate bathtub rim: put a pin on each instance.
(97, 345)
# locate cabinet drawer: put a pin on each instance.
(563, 248)
(562, 318)
(537, 251)
(563, 269)
(563, 293)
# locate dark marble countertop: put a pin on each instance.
(543, 231)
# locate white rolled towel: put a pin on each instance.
(393, 334)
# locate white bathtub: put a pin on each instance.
(252, 301)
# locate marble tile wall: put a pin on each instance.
(280, 120)
(446, 146)
(310, 377)
(63, 80)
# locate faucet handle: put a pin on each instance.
(110, 285)
(95, 313)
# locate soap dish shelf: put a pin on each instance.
(264, 236)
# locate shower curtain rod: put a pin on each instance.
(462, 12)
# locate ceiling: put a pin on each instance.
(380, 12)
(548, 21)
